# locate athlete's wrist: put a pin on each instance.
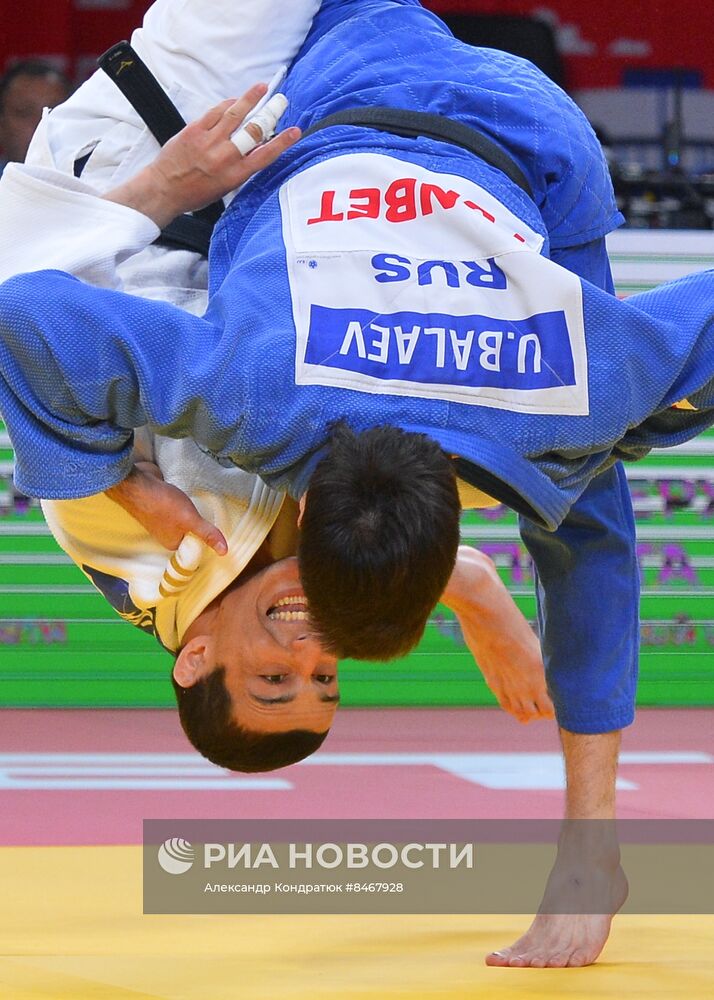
(149, 194)
(472, 579)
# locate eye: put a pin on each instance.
(274, 678)
(324, 678)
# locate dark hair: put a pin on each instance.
(205, 714)
(378, 540)
(31, 67)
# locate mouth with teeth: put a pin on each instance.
(289, 609)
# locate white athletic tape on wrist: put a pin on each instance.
(266, 120)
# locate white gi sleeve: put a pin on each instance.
(51, 220)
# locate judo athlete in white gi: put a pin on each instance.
(449, 315)
(49, 218)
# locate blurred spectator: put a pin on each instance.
(25, 90)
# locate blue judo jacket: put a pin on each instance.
(374, 279)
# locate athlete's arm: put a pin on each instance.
(71, 411)
(499, 637)
(198, 166)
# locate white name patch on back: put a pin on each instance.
(412, 282)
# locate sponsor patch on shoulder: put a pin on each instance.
(412, 282)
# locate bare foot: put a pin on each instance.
(556, 940)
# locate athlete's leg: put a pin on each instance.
(587, 874)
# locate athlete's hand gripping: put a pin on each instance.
(204, 161)
(166, 512)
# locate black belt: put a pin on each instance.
(163, 119)
(412, 124)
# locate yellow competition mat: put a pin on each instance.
(71, 928)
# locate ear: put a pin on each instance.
(195, 661)
(301, 509)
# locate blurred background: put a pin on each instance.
(644, 74)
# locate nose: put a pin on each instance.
(310, 654)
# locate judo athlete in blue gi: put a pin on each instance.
(371, 278)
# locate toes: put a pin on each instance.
(580, 958)
(498, 958)
(558, 960)
(538, 962)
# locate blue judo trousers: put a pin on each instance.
(371, 278)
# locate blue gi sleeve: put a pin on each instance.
(587, 581)
(80, 367)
